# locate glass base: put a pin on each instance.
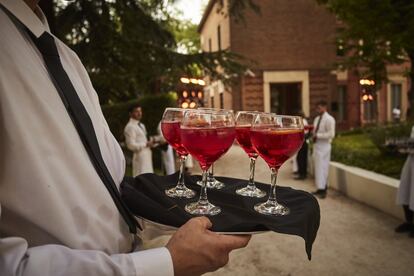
(271, 208)
(251, 192)
(196, 208)
(212, 184)
(180, 192)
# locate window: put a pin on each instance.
(212, 101)
(221, 100)
(219, 37)
(396, 95)
(209, 44)
(342, 103)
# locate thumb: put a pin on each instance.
(203, 222)
(234, 241)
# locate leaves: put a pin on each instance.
(375, 33)
(132, 47)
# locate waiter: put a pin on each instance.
(136, 140)
(405, 196)
(322, 138)
(58, 215)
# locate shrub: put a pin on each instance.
(360, 150)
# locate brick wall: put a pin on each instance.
(288, 35)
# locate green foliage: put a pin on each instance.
(364, 148)
(375, 33)
(129, 47)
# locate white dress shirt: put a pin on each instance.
(56, 216)
(326, 130)
(136, 140)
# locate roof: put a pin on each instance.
(206, 13)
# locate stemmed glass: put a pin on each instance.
(276, 138)
(212, 182)
(207, 135)
(244, 121)
(170, 127)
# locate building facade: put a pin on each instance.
(291, 52)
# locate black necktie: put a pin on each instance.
(80, 118)
(317, 127)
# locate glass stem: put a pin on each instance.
(180, 184)
(251, 185)
(203, 194)
(272, 195)
(210, 176)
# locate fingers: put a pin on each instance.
(234, 241)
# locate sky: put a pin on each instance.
(191, 9)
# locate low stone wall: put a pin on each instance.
(376, 190)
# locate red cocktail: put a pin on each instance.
(170, 128)
(207, 144)
(243, 138)
(244, 121)
(206, 135)
(276, 138)
(172, 133)
(276, 146)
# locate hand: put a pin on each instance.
(196, 250)
(150, 143)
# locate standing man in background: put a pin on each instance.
(136, 140)
(322, 138)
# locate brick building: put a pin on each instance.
(291, 50)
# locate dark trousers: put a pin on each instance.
(302, 160)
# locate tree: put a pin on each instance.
(376, 33)
(129, 48)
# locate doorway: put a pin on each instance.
(286, 98)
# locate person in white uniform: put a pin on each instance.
(56, 215)
(167, 153)
(136, 140)
(405, 195)
(323, 134)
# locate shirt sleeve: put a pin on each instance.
(329, 131)
(130, 140)
(153, 262)
(17, 259)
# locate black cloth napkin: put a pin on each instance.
(145, 197)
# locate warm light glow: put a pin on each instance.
(200, 94)
(193, 93)
(193, 105)
(366, 82)
(184, 105)
(185, 80)
(370, 97)
(185, 94)
(201, 82)
(365, 98)
(195, 81)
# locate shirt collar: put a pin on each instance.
(134, 121)
(27, 17)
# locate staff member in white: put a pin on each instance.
(405, 196)
(56, 215)
(167, 153)
(136, 140)
(323, 134)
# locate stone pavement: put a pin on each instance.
(353, 239)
